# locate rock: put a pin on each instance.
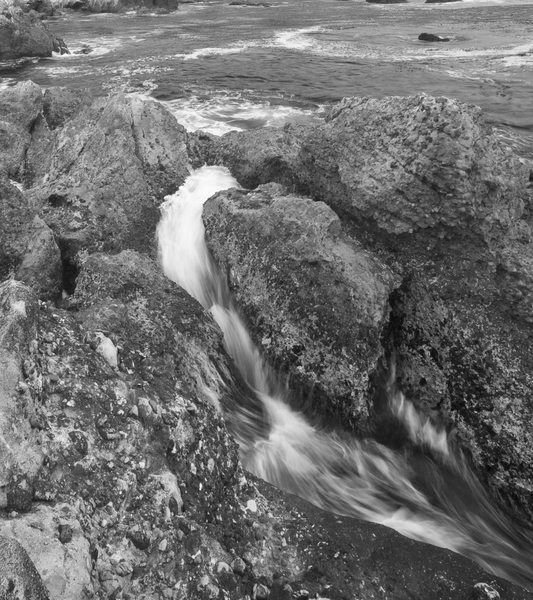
(60, 104)
(19, 443)
(260, 592)
(431, 37)
(483, 591)
(16, 216)
(123, 156)
(386, 1)
(64, 533)
(65, 574)
(440, 1)
(112, 6)
(19, 109)
(315, 300)
(23, 35)
(41, 267)
(19, 579)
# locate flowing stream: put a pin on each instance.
(426, 491)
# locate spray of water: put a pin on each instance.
(426, 490)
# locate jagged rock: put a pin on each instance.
(19, 579)
(16, 218)
(41, 267)
(107, 171)
(61, 103)
(19, 443)
(431, 37)
(316, 301)
(24, 35)
(19, 108)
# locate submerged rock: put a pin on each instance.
(431, 37)
(316, 301)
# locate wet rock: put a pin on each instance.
(19, 579)
(316, 301)
(431, 37)
(483, 591)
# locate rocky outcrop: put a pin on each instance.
(24, 34)
(424, 184)
(431, 37)
(317, 302)
(122, 477)
(117, 6)
(103, 174)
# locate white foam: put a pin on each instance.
(220, 114)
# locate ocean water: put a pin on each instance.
(222, 67)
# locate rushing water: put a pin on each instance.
(218, 68)
(427, 492)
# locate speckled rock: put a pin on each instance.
(19, 579)
(317, 302)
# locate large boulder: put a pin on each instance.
(424, 183)
(104, 172)
(24, 34)
(317, 301)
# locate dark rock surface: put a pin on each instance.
(431, 37)
(117, 6)
(23, 34)
(317, 302)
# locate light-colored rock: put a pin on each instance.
(64, 569)
(19, 579)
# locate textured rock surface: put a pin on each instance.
(19, 108)
(41, 266)
(424, 184)
(19, 579)
(107, 170)
(316, 300)
(25, 35)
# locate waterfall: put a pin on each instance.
(426, 492)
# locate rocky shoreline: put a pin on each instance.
(121, 478)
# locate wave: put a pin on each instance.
(221, 113)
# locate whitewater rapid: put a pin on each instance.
(425, 491)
